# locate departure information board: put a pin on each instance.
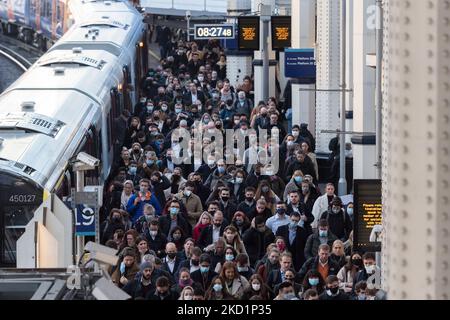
(281, 32)
(248, 33)
(367, 215)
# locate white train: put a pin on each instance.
(64, 104)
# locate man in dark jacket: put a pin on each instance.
(204, 276)
(249, 204)
(321, 236)
(226, 205)
(171, 262)
(143, 286)
(322, 264)
(256, 239)
(332, 291)
(173, 219)
(339, 221)
(303, 163)
(159, 184)
(156, 239)
(163, 291)
(211, 233)
(295, 237)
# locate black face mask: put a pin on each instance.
(334, 290)
(249, 199)
(171, 255)
(357, 262)
(195, 262)
(225, 199)
(116, 219)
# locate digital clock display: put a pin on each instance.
(213, 31)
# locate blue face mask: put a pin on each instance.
(204, 269)
(293, 225)
(313, 282)
(221, 169)
(177, 111)
(149, 162)
(173, 211)
(323, 233)
(350, 211)
(298, 179)
(229, 257)
(217, 287)
(242, 269)
(132, 171)
(122, 267)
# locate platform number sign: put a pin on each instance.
(85, 220)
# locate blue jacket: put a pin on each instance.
(137, 210)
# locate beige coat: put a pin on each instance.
(193, 206)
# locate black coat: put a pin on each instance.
(165, 222)
(307, 167)
(245, 208)
(256, 243)
(203, 281)
(303, 211)
(206, 236)
(297, 248)
(165, 267)
(313, 243)
(173, 295)
(340, 224)
(341, 296)
(312, 264)
(229, 211)
(158, 245)
(135, 289)
(158, 190)
(240, 196)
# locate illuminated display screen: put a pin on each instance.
(281, 32)
(367, 215)
(213, 31)
(248, 33)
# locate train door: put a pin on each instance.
(126, 88)
(18, 202)
(141, 63)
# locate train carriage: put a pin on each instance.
(64, 104)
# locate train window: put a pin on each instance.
(110, 132)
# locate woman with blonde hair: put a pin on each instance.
(187, 293)
(338, 253)
(204, 221)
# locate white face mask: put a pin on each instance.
(370, 269)
(187, 193)
(188, 297)
(256, 286)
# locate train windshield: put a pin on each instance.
(18, 201)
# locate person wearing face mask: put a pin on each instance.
(226, 204)
(348, 272)
(134, 128)
(187, 294)
(368, 269)
(256, 239)
(171, 262)
(257, 288)
(191, 202)
(143, 222)
(174, 218)
(136, 203)
(155, 238)
(332, 291)
(286, 292)
(177, 236)
(214, 232)
(219, 174)
(243, 105)
(204, 276)
(240, 222)
(295, 235)
(110, 225)
(227, 114)
(349, 210)
(190, 264)
(294, 185)
(248, 205)
(339, 222)
(321, 236)
(313, 280)
(237, 186)
(323, 203)
(308, 196)
(279, 219)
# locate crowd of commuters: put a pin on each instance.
(214, 230)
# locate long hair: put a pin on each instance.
(237, 244)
